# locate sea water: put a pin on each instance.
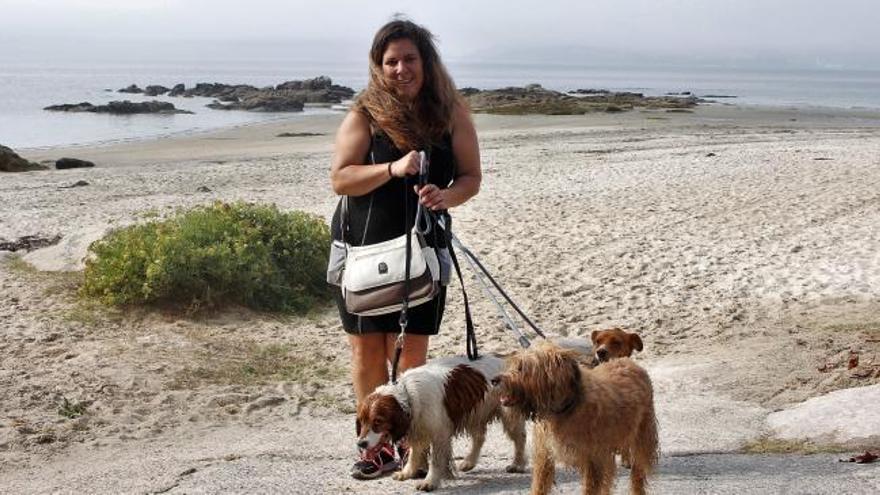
(26, 88)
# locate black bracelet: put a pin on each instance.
(389, 170)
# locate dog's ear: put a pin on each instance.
(594, 335)
(635, 341)
(400, 422)
(357, 426)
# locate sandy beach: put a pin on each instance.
(743, 244)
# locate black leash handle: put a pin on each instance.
(470, 335)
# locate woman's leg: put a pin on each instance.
(415, 350)
(369, 367)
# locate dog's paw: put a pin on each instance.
(426, 486)
(465, 466)
(400, 476)
(515, 468)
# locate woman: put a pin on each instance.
(409, 105)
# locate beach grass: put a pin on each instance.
(71, 410)
(56, 283)
(768, 445)
(229, 362)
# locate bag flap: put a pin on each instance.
(381, 264)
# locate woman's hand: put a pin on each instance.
(432, 197)
(408, 165)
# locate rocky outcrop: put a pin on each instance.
(65, 163)
(318, 90)
(218, 90)
(178, 90)
(11, 162)
(262, 102)
(124, 107)
(289, 96)
(535, 99)
(29, 243)
(155, 90)
(531, 99)
(133, 89)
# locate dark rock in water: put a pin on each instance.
(589, 92)
(155, 90)
(65, 163)
(260, 102)
(11, 162)
(299, 134)
(71, 107)
(203, 189)
(120, 107)
(28, 243)
(320, 82)
(128, 107)
(318, 90)
(217, 90)
(681, 93)
(177, 90)
(79, 183)
(710, 155)
(134, 89)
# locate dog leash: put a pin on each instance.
(480, 271)
(420, 212)
(520, 337)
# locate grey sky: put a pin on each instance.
(842, 32)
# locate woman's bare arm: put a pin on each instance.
(348, 175)
(467, 156)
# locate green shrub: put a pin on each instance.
(250, 254)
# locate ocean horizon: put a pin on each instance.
(26, 88)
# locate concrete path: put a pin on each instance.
(700, 432)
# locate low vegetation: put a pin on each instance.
(778, 446)
(249, 363)
(254, 255)
(71, 410)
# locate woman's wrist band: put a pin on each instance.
(389, 170)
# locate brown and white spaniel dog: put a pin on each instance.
(433, 403)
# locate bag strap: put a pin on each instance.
(346, 221)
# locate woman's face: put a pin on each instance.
(402, 67)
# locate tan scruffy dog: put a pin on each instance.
(583, 416)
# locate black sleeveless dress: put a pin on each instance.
(387, 221)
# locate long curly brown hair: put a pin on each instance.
(415, 124)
